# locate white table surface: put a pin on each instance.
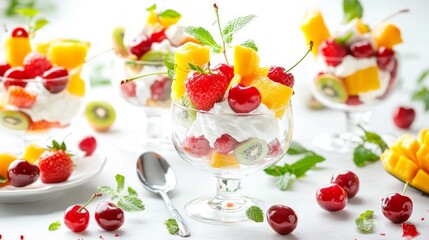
(276, 31)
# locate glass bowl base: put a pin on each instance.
(337, 143)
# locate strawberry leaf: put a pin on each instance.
(204, 37)
(255, 214)
(54, 226)
(172, 226)
(250, 44)
(234, 26)
(169, 13)
(352, 9)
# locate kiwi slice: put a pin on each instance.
(332, 88)
(154, 56)
(14, 120)
(187, 114)
(100, 115)
(119, 47)
(251, 151)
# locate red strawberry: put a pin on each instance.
(19, 97)
(333, 52)
(55, 164)
(225, 144)
(205, 90)
(36, 64)
(278, 74)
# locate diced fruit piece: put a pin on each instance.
(55, 164)
(205, 90)
(386, 34)
(403, 117)
(385, 57)
(160, 90)
(246, 63)
(32, 152)
(225, 144)
(196, 146)
(226, 69)
(424, 136)
(4, 66)
(43, 125)
(423, 157)
(274, 148)
(421, 180)
(55, 80)
(331, 87)
(405, 169)
(119, 46)
(169, 18)
(187, 113)
(68, 53)
(235, 80)
(154, 56)
(140, 45)
(251, 152)
(100, 115)
(361, 26)
(361, 49)
(15, 76)
(353, 101)
(333, 52)
(389, 158)
(128, 89)
(188, 53)
(88, 145)
(243, 99)
(19, 97)
(362, 81)
(219, 160)
(36, 64)
(76, 85)
(43, 47)
(22, 173)
(5, 160)
(410, 146)
(17, 46)
(278, 74)
(14, 120)
(274, 95)
(314, 28)
(158, 35)
(152, 18)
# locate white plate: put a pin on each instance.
(85, 169)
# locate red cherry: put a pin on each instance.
(140, 45)
(15, 76)
(333, 52)
(347, 180)
(274, 147)
(384, 58)
(19, 32)
(243, 99)
(129, 89)
(282, 219)
(161, 89)
(403, 117)
(22, 173)
(196, 146)
(109, 216)
(278, 74)
(55, 79)
(88, 145)
(225, 144)
(76, 220)
(158, 35)
(331, 197)
(226, 69)
(397, 208)
(361, 49)
(353, 101)
(3, 68)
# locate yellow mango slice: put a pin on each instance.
(389, 159)
(16, 48)
(405, 169)
(188, 53)
(362, 81)
(314, 28)
(76, 85)
(152, 18)
(218, 160)
(387, 35)
(361, 27)
(421, 181)
(424, 136)
(410, 146)
(5, 160)
(274, 95)
(43, 47)
(246, 63)
(32, 152)
(68, 54)
(423, 157)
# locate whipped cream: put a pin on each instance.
(175, 34)
(351, 28)
(221, 119)
(347, 67)
(143, 92)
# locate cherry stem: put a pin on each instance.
(405, 10)
(221, 34)
(405, 188)
(142, 76)
(308, 51)
(92, 197)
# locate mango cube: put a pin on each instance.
(389, 159)
(421, 181)
(387, 35)
(314, 28)
(424, 136)
(405, 169)
(218, 160)
(68, 53)
(423, 157)
(246, 63)
(32, 152)
(16, 48)
(362, 81)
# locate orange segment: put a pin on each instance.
(314, 28)
(386, 34)
(218, 160)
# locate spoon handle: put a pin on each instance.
(183, 227)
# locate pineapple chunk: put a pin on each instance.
(405, 169)
(314, 28)
(421, 181)
(423, 157)
(387, 35)
(362, 81)
(32, 152)
(218, 160)
(246, 63)
(68, 53)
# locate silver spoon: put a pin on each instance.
(157, 176)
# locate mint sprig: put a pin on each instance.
(128, 202)
(233, 26)
(250, 44)
(33, 24)
(422, 93)
(352, 9)
(370, 149)
(204, 37)
(172, 226)
(255, 214)
(284, 175)
(365, 221)
(169, 13)
(54, 226)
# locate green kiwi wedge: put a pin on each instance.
(251, 151)
(14, 120)
(100, 115)
(332, 87)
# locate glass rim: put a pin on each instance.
(321, 56)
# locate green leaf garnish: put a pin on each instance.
(204, 37)
(370, 149)
(365, 221)
(169, 13)
(361, 155)
(343, 39)
(2, 179)
(27, 12)
(255, 214)
(234, 26)
(250, 44)
(296, 148)
(352, 9)
(172, 226)
(422, 94)
(30, 13)
(151, 8)
(171, 65)
(306, 163)
(423, 76)
(130, 202)
(54, 226)
(284, 181)
(374, 138)
(39, 23)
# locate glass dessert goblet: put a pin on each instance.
(229, 146)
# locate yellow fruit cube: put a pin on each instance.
(424, 136)
(314, 28)
(16, 48)
(188, 53)
(246, 63)
(166, 22)
(421, 181)
(5, 160)
(410, 146)
(68, 54)
(389, 159)
(423, 157)
(405, 169)
(152, 18)
(32, 153)
(362, 81)
(387, 35)
(361, 27)
(76, 85)
(218, 160)
(43, 47)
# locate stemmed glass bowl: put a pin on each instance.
(229, 146)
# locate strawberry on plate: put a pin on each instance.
(19, 97)
(55, 164)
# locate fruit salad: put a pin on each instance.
(145, 54)
(40, 83)
(230, 117)
(356, 64)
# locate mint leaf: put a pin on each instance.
(54, 226)
(169, 13)
(131, 204)
(204, 37)
(300, 167)
(361, 155)
(2, 179)
(250, 44)
(343, 39)
(120, 181)
(234, 26)
(172, 226)
(295, 149)
(132, 192)
(151, 8)
(41, 22)
(374, 138)
(197, 68)
(171, 65)
(365, 221)
(422, 95)
(283, 181)
(277, 170)
(27, 12)
(352, 9)
(255, 214)
(106, 189)
(423, 76)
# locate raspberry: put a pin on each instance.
(36, 64)
(205, 90)
(128, 89)
(196, 146)
(278, 74)
(19, 97)
(225, 144)
(333, 52)
(161, 89)
(361, 49)
(384, 58)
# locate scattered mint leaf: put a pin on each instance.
(364, 153)
(169, 13)
(172, 226)
(151, 8)
(204, 37)
(120, 181)
(343, 39)
(422, 95)
(234, 26)
(276, 170)
(171, 65)
(352, 9)
(295, 149)
(106, 189)
(255, 214)
(132, 192)
(54, 226)
(300, 167)
(423, 76)
(361, 155)
(365, 221)
(131, 203)
(284, 181)
(250, 44)
(2, 179)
